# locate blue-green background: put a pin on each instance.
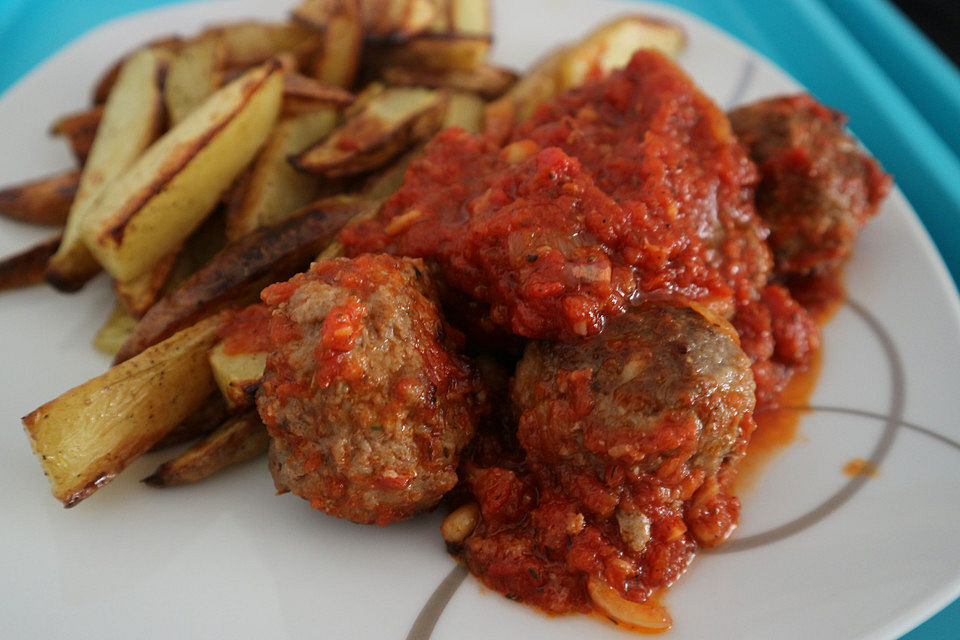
(861, 56)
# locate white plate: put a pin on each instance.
(226, 558)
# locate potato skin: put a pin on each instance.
(367, 404)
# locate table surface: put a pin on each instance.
(902, 93)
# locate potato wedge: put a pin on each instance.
(488, 81)
(238, 273)
(91, 433)
(274, 189)
(211, 414)
(518, 104)
(464, 110)
(398, 19)
(336, 59)
(132, 119)
(115, 331)
(79, 129)
(613, 44)
(251, 43)
(302, 94)
(237, 375)
(239, 439)
(104, 84)
(381, 129)
(27, 267)
(458, 37)
(606, 48)
(139, 294)
(45, 201)
(166, 194)
(193, 76)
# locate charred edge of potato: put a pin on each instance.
(240, 270)
(89, 434)
(375, 139)
(27, 267)
(439, 51)
(272, 190)
(210, 415)
(43, 202)
(79, 129)
(139, 294)
(250, 43)
(133, 118)
(488, 81)
(300, 87)
(174, 165)
(104, 84)
(238, 375)
(239, 439)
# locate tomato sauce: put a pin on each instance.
(626, 189)
(247, 331)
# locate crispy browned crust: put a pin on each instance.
(375, 145)
(211, 414)
(104, 84)
(141, 294)
(240, 438)
(301, 92)
(45, 201)
(79, 128)
(26, 268)
(241, 270)
(177, 162)
(488, 81)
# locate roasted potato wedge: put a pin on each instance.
(250, 43)
(238, 273)
(240, 438)
(237, 375)
(211, 414)
(613, 44)
(104, 84)
(302, 95)
(488, 81)
(606, 48)
(166, 194)
(132, 119)
(79, 129)
(27, 267)
(274, 189)
(458, 37)
(336, 59)
(139, 294)
(398, 19)
(115, 330)
(91, 433)
(377, 131)
(464, 110)
(45, 201)
(193, 76)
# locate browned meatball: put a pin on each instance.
(367, 404)
(817, 187)
(663, 382)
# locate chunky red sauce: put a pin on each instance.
(247, 331)
(625, 189)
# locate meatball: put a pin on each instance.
(817, 187)
(665, 382)
(366, 402)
